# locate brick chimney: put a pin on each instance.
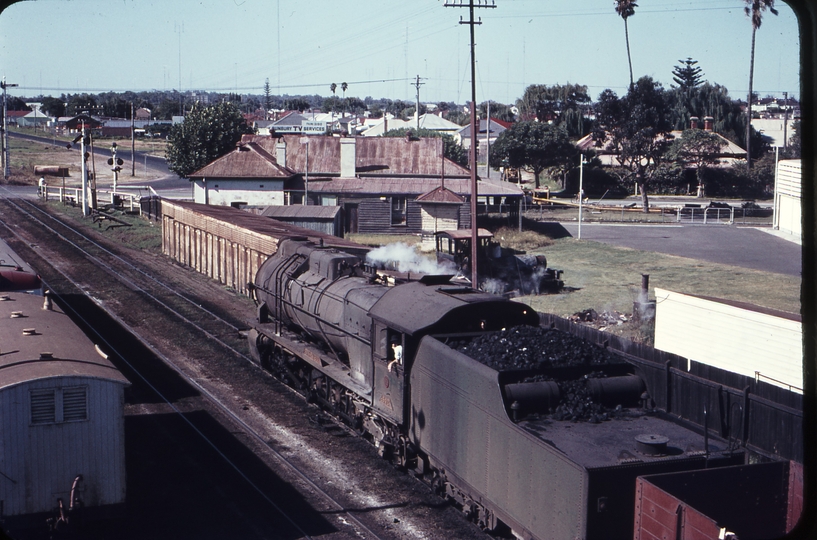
(693, 122)
(708, 123)
(347, 157)
(281, 152)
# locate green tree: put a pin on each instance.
(53, 106)
(697, 148)
(451, 150)
(535, 146)
(267, 98)
(687, 76)
(206, 134)
(626, 9)
(754, 9)
(636, 129)
(296, 104)
(561, 104)
(499, 111)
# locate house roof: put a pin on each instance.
(496, 128)
(409, 186)
(381, 156)
(248, 160)
(427, 121)
(729, 150)
(441, 195)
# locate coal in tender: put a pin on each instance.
(532, 347)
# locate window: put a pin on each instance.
(398, 210)
(44, 401)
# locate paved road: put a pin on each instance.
(747, 247)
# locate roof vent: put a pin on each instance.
(16, 314)
(29, 331)
(46, 355)
(651, 445)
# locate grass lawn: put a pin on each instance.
(607, 278)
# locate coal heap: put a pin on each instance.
(531, 347)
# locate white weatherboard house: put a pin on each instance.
(764, 344)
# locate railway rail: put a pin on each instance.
(111, 271)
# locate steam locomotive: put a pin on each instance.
(480, 435)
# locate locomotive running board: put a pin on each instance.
(323, 363)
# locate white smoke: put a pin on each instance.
(404, 258)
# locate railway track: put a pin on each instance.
(114, 281)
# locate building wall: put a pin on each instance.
(788, 194)
(40, 461)
(438, 217)
(731, 338)
(265, 192)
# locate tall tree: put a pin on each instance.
(206, 134)
(535, 146)
(636, 129)
(687, 76)
(561, 104)
(626, 9)
(267, 98)
(754, 9)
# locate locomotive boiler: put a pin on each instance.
(481, 432)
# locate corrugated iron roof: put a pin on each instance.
(441, 195)
(301, 211)
(409, 186)
(262, 225)
(248, 160)
(465, 234)
(381, 156)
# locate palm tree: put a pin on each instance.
(344, 86)
(626, 8)
(333, 87)
(754, 9)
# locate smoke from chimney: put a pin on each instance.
(404, 258)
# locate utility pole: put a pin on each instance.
(6, 166)
(132, 142)
(488, 142)
(417, 85)
(473, 157)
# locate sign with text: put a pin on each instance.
(308, 127)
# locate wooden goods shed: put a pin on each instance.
(61, 415)
(227, 244)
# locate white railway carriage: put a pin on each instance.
(61, 416)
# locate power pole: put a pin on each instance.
(473, 157)
(785, 119)
(132, 142)
(6, 166)
(488, 142)
(417, 85)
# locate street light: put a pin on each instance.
(582, 162)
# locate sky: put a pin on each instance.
(379, 47)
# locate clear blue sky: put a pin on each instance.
(379, 46)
